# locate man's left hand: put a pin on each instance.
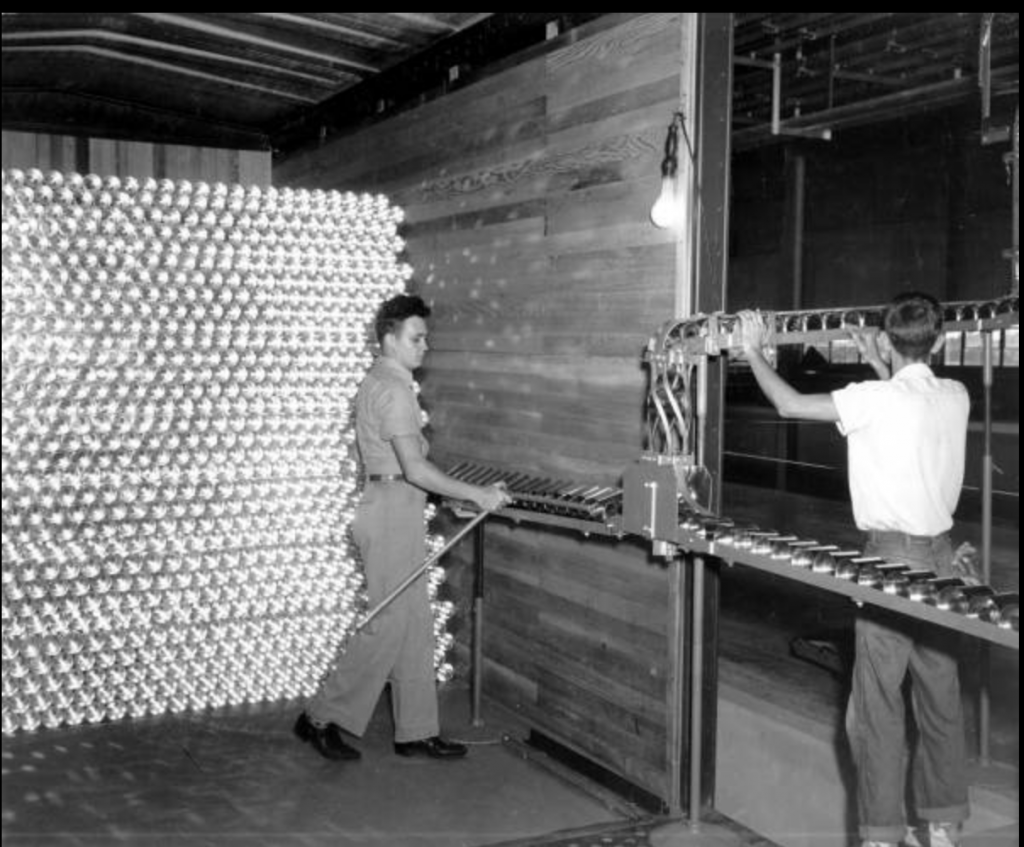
(753, 331)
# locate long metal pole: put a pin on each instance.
(1015, 178)
(799, 189)
(676, 683)
(776, 93)
(696, 692)
(787, 435)
(478, 625)
(409, 580)
(984, 706)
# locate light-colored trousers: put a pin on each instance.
(398, 645)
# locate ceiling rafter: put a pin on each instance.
(53, 39)
(303, 76)
(339, 30)
(830, 24)
(123, 105)
(868, 67)
(166, 67)
(185, 22)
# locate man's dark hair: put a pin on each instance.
(392, 313)
(913, 322)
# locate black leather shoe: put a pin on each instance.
(435, 748)
(327, 740)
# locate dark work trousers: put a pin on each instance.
(888, 646)
(398, 645)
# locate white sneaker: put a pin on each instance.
(878, 844)
(943, 835)
(911, 839)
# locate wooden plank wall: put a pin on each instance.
(109, 157)
(527, 196)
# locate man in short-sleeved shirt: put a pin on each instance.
(397, 647)
(906, 438)
(386, 406)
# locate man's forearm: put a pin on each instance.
(780, 393)
(789, 402)
(425, 474)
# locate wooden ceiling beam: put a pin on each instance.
(476, 50)
(425, 22)
(54, 39)
(404, 32)
(337, 30)
(165, 67)
(255, 41)
(39, 109)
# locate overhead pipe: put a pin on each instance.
(775, 66)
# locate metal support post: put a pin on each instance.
(478, 623)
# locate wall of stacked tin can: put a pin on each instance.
(179, 469)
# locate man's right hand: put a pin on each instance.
(867, 346)
(491, 497)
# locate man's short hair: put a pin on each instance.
(913, 322)
(394, 312)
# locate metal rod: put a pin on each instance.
(831, 71)
(696, 691)
(702, 410)
(750, 62)
(822, 123)
(776, 93)
(985, 65)
(478, 624)
(688, 186)
(409, 580)
(676, 688)
(873, 79)
(799, 198)
(986, 480)
(1015, 165)
(984, 705)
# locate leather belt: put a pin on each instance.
(896, 535)
(384, 477)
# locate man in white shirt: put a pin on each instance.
(906, 437)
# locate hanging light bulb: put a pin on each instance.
(668, 211)
(665, 212)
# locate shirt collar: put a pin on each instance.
(389, 364)
(915, 370)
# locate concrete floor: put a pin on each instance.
(239, 777)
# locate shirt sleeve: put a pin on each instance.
(855, 404)
(399, 413)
